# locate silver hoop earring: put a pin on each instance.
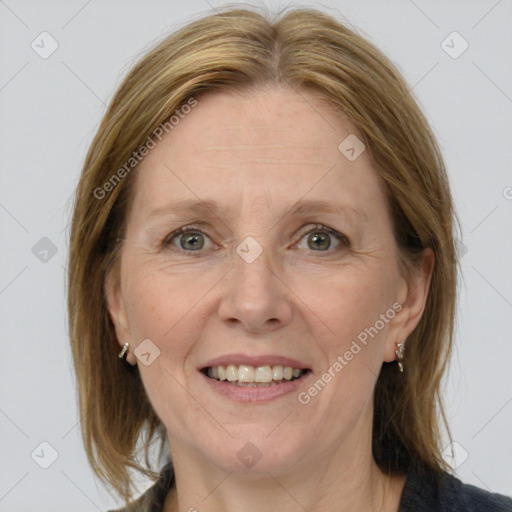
(400, 354)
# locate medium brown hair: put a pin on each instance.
(236, 49)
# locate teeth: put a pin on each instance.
(278, 372)
(246, 373)
(231, 373)
(263, 374)
(250, 375)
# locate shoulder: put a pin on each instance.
(152, 500)
(428, 491)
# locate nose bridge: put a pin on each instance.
(254, 260)
(255, 296)
(253, 276)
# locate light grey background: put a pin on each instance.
(50, 109)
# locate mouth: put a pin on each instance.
(254, 376)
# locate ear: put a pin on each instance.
(117, 310)
(413, 296)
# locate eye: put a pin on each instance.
(187, 238)
(321, 238)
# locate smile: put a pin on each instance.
(251, 376)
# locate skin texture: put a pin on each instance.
(257, 154)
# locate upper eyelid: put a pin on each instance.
(320, 227)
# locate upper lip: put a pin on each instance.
(261, 360)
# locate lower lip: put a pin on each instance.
(255, 394)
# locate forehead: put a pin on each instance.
(247, 146)
(271, 116)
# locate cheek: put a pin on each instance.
(352, 343)
(169, 308)
(160, 310)
(349, 306)
(161, 303)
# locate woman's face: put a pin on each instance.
(290, 262)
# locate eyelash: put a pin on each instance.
(345, 242)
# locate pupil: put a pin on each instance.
(322, 238)
(194, 241)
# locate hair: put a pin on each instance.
(237, 49)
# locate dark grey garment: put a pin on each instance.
(424, 491)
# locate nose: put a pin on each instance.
(256, 297)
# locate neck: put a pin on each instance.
(345, 479)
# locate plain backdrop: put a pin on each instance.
(50, 107)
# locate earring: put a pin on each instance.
(123, 352)
(400, 354)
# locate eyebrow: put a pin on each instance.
(302, 208)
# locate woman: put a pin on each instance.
(264, 231)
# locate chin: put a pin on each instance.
(255, 452)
